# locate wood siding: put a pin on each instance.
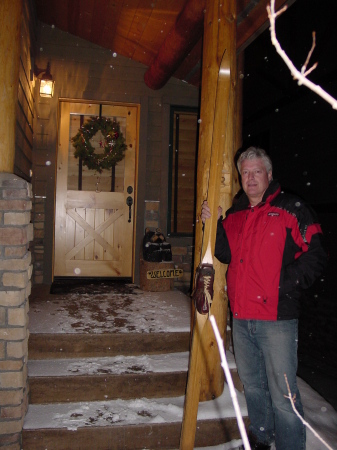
(25, 106)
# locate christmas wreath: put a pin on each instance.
(113, 144)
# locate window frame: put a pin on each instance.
(173, 110)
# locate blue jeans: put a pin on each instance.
(264, 352)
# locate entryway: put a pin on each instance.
(95, 212)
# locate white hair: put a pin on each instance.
(255, 153)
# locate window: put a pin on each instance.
(80, 177)
(182, 176)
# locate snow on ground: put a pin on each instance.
(319, 414)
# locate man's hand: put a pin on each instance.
(206, 212)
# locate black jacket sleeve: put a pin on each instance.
(300, 273)
(222, 251)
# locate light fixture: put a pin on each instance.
(46, 81)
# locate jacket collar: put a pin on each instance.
(242, 201)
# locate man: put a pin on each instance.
(273, 246)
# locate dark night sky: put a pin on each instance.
(299, 131)
(296, 126)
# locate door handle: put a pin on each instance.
(129, 202)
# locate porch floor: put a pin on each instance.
(102, 308)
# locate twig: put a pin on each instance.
(234, 397)
(297, 75)
(303, 70)
(301, 418)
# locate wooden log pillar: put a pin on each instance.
(10, 26)
(219, 36)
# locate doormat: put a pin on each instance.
(67, 285)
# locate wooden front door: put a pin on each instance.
(94, 221)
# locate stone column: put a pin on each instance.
(16, 232)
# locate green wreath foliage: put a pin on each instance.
(114, 144)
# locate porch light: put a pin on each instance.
(46, 81)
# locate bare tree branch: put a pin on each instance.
(291, 398)
(301, 76)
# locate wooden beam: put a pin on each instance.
(190, 68)
(181, 39)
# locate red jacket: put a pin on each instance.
(274, 250)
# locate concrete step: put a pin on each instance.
(75, 345)
(128, 424)
(126, 377)
(93, 379)
(108, 370)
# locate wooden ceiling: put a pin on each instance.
(143, 29)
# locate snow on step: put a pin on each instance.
(126, 412)
(143, 312)
(170, 362)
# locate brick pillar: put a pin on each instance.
(16, 232)
(37, 246)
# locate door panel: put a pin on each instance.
(94, 234)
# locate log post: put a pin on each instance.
(214, 184)
(219, 36)
(10, 25)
